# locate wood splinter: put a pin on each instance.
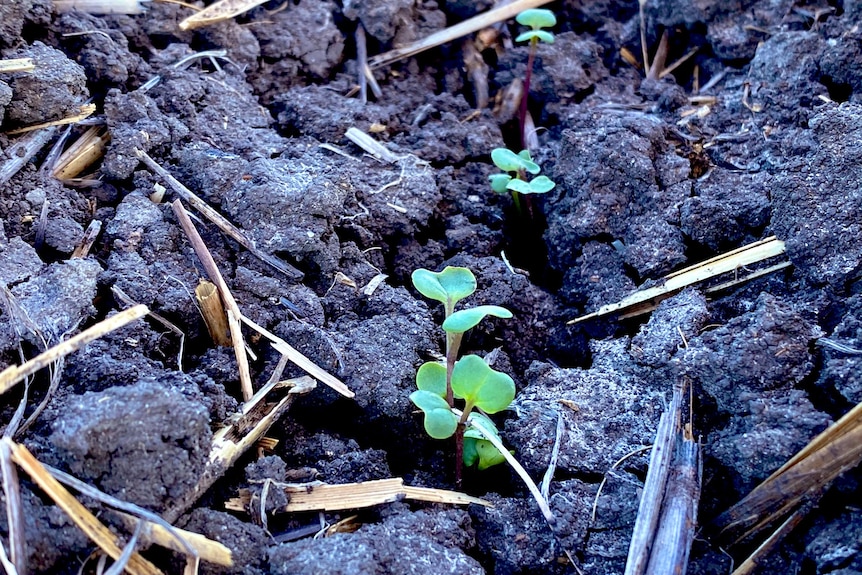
(212, 309)
(13, 374)
(325, 497)
(220, 221)
(233, 313)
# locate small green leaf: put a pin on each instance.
(469, 455)
(440, 422)
(464, 319)
(509, 161)
(432, 377)
(476, 383)
(449, 286)
(519, 186)
(541, 185)
(486, 423)
(499, 181)
(540, 35)
(526, 155)
(506, 159)
(532, 167)
(488, 454)
(481, 450)
(537, 18)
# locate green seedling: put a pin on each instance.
(469, 379)
(536, 19)
(517, 166)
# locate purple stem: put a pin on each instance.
(453, 342)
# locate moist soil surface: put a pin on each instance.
(756, 133)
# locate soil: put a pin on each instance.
(649, 179)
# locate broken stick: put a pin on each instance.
(644, 301)
(80, 515)
(233, 313)
(255, 418)
(10, 376)
(216, 218)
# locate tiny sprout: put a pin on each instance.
(536, 19)
(448, 287)
(519, 165)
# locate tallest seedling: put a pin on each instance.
(468, 379)
(536, 19)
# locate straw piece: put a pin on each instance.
(323, 497)
(803, 478)
(219, 12)
(209, 213)
(676, 529)
(644, 301)
(207, 549)
(233, 313)
(17, 65)
(86, 151)
(82, 250)
(14, 510)
(86, 111)
(22, 150)
(13, 374)
(649, 509)
(299, 359)
(469, 26)
(667, 513)
(477, 72)
(751, 562)
(212, 309)
(362, 59)
(119, 566)
(432, 495)
(371, 145)
(255, 418)
(130, 7)
(80, 515)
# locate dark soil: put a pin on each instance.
(648, 181)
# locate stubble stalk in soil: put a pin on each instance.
(10, 376)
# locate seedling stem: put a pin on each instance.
(536, 19)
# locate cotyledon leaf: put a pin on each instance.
(464, 319)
